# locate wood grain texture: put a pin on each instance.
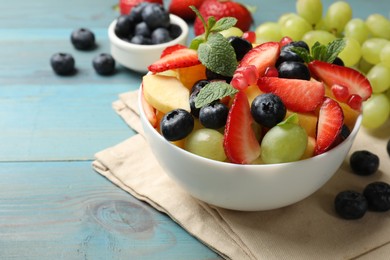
(64, 210)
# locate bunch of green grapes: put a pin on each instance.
(367, 45)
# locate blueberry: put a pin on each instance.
(194, 93)
(350, 204)
(338, 61)
(136, 12)
(83, 39)
(139, 39)
(62, 63)
(288, 56)
(154, 15)
(378, 196)
(104, 64)
(388, 147)
(124, 26)
(292, 44)
(174, 30)
(176, 124)
(240, 46)
(213, 115)
(142, 29)
(293, 70)
(160, 35)
(268, 109)
(364, 162)
(211, 75)
(199, 85)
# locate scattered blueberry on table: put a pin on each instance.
(62, 63)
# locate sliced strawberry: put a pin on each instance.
(333, 74)
(262, 57)
(171, 49)
(178, 59)
(297, 95)
(330, 123)
(240, 143)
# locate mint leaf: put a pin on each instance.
(333, 49)
(218, 55)
(224, 24)
(321, 52)
(213, 91)
(303, 53)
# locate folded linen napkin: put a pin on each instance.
(306, 230)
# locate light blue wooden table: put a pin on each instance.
(52, 204)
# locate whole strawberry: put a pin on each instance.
(181, 8)
(125, 6)
(223, 8)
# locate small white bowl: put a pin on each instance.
(246, 187)
(138, 57)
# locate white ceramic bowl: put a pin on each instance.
(138, 57)
(246, 187)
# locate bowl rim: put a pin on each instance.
(127, 45)
(352, 134)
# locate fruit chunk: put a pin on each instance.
(240, 143)
(150, 111)
(190, 75)
(180, 58)
(262, 57)
(308, 121)
(165, 93)
(297, 95)
(330, 123)
(332, 74)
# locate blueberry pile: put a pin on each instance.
(375, 196)
(82, 39)
(147, 24)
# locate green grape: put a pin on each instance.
(207, 143)
(376, 111)
(379, 26)
(351, 53)
(310, 10)
(283, 143)
(295, 27)
(385, 55)
(232, 31)
(320, 36)
(285, 17)
(372, 48)
(357, 29)
(320, 25)
(388, 94)
(268, 31)
(337, 16)
(364, 66)
(379, 77)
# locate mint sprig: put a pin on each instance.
(214, 50)
(218, 55)
(327, 53)
(214, 91)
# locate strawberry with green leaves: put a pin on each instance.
(223, 8)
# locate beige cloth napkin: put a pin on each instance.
(309, 229)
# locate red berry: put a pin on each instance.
(180, 58)
(250, 36)
(240, 143)
(125, 6)
(330, 123)
(182, 8)
(219, 9)
(284, 41)
(297, 95)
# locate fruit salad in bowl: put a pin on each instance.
(249, 126)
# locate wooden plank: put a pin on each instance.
(67, 211)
